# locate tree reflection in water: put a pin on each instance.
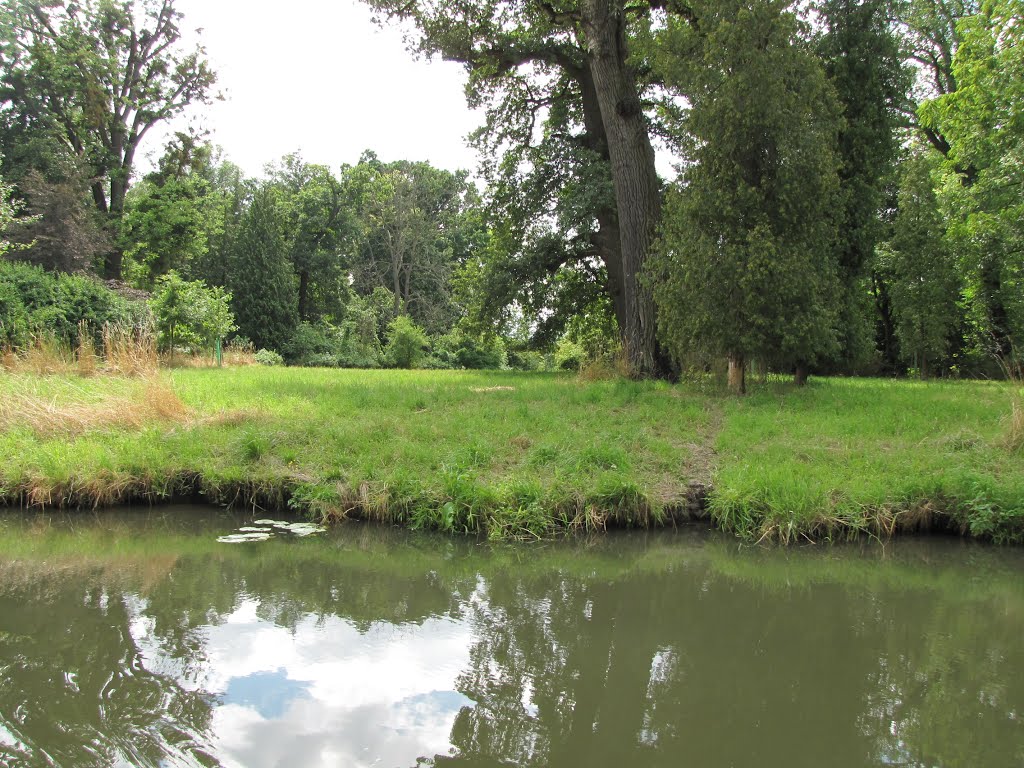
(74, 687)
(661, 650)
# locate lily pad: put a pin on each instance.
(239, 538)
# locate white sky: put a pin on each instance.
(317, 76)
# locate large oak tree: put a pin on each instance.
(577, 49)
(99, 74)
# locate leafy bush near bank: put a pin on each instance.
(34, 302)
(190, 314)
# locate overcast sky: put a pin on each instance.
(320, 78)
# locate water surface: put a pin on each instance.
(138, 639)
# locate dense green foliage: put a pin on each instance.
(261, 281)
(983, 123)
(8, 214)
(860, 53)
(917, 266)
(407, 343)
(745, 269)
(848, 198)
(96, 76)
(35, 303)
(189, 314)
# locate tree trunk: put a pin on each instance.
(304, 294)
(396, 284)
(114, 260)
(800, 375)
(737, 375)
(992, 296)
(607, 240)
(885, 331)
(635, 180)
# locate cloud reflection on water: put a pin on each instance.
(325, 693)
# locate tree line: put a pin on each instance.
(848, 197)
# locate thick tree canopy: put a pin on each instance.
(532, 55)
(746, 267)
(99, 74)
(982, 123)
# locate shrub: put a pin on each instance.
(268, 357)
(34, 302)
(569, 356)
(527, 360)
(311, 342)
(407, 343)
(189, 313)
(437, 363)
(462, 350)
(320, 360)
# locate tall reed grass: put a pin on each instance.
(125, 351)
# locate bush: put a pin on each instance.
(407, 343)
(189, 313)
(34, 302)
(268, 357)
(527, 360)
(461, 350)
(360, 339)
(320, 360)
(437, 363)
(569, 356)
(312, 345)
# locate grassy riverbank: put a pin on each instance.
(522, 454)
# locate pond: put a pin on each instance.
(170, 637)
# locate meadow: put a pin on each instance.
(522, 455)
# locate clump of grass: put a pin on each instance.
(46, 355)
(1015, 431)
(606, 367)
(232, 357)
(1013, 370)
(239, 352)
(126, 352)
(130, 351)
(48, 417)
(1014, 438)
(87, 359)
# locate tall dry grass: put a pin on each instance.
(126, 352)
(130, 351)
(611, 365)
(233, 355)
(151, 401)
(45, 356)
(87, 359)
(1013, 370)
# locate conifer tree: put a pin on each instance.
(261, 279)
(746, 266)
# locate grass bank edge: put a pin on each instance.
(509, 513)
(786, 469)
(505, 511)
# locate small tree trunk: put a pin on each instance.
(737, 375)
(304, 295)
(800, 375)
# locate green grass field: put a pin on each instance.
(523, 454)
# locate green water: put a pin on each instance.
(138, 639)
